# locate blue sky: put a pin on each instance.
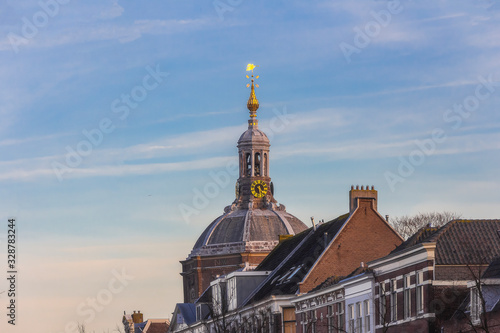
(405, 108)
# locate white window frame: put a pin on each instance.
(359, 317)
(419, 281)
(350, 311)
(340, 317)
(394, 300)
(476, 307)
(331, 317)
(366, 310)
(407, 296)
(382, 303)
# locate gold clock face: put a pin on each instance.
(258, 188)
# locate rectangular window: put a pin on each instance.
(366, 306)
(359, 318)
(313, 321)
(331, 322)
(407, 296)
(381, 304)
(289, 320)
(351, 318)
(394, 300)
(231, 294)
(340, 312)
(217, 299)
(420, 292)
(475, 306)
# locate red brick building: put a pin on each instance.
(421, 284)
(330, 250)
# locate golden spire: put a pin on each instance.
(253, 102)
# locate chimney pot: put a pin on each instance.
(314, 224)
(356, 194)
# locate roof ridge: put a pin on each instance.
(444, 229)
(475, 220)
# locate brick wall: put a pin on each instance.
(365, 237)
(198, 272)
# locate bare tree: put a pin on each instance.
(118, 329)
(385, 308)
(258, 320)
(329, 324)
(408, 225)
(220, 319)
(482, 325)
(473, 310)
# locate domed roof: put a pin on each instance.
(253, 135)
(244, 230)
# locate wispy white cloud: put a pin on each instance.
(107, 31)
(13, 142)
(365, 147)
(115, 10)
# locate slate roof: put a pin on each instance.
(293, 258)
(493, 270)
(206, 296)
(157, 327)
(419, 237)
(460, 242)
(139, 327)
(188, 312)
(244, 225)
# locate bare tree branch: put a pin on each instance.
(408, 225)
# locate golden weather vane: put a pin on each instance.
(253, 102)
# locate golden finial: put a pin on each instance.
(253, 102)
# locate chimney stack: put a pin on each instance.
(137, 317)
(368, 193)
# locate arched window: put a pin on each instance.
(242, 165)
(265, 165)
(257, 164)
(249, 164)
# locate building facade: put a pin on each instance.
(265, 299)
(421, 285)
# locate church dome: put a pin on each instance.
(253, 135)
(245, 230)
(250, 228)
